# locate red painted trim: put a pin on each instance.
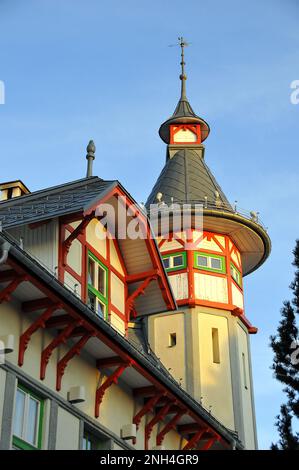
(190, 268)
(169, 426)
(40, 322)
(75, 350)
(73, 273)
(177, 271)
(210, 273)
(209, 443)
(140, 276)
(194, 128)
(194, 440)
(162, 413)
(229, 278)
(120, 257)
(147, 408)
(118, 312)
(5, 294)
(61, 338)
(113, 378)
(139, 291)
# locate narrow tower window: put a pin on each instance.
(172, 340)
(244, 371)
(215, 346)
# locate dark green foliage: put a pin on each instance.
(286, 365)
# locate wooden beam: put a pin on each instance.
(140, 276)
(146, 391)
(114, 361)
(194, 440)
(38, 304)
(58, 320)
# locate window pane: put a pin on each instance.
(91, 269)
(86, 443)
(177, 261)
(166, 262)
(202, 261)
(19, 413)
(101, 280)
(32, 421)
(91, 301)
(101, 309)
(215, 346)
(216, 263)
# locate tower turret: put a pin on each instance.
(206, 343)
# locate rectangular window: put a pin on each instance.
(27, 420)
(235, 274)
(172, 340)
(175, 261)
(215, 346)
(97, 286)
(244, 371)
(92, 442)
(209, 262)
(91, 271)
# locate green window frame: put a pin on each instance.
(97, 294)
(171, 257)
(209, 262)
(20, 428)
(235, 274)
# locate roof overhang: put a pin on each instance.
(146, 273)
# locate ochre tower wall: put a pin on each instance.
(205, 345)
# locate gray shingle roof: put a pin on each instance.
(183, 113)
(52, 202)
(187, 179)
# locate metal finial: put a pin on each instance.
(183, 76)
(91, 148)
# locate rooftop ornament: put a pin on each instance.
(91, 148)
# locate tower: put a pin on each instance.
(205, 344)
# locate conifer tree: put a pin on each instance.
(285, 346)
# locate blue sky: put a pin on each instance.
(76, 70)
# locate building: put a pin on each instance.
(120, 342)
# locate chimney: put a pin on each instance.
(12, 189)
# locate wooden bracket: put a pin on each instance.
(5, 294)
(147, 407)
(40, 322)
(113, 378)
(192, 443)
(75, 233)
(75, 350)
(59, 339)
(169, 426)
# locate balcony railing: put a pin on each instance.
(220, 205)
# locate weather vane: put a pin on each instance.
(183, 77)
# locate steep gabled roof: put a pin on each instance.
(53, 202)
(187, 179)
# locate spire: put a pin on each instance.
(183, 76)
(91, 148)
(183, 112)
